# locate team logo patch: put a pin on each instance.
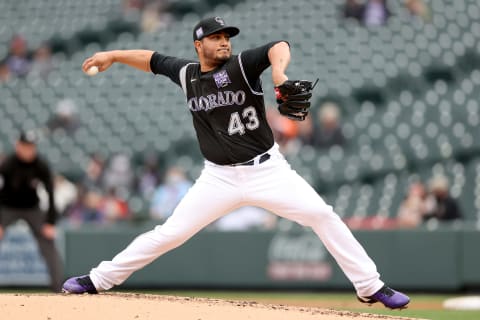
(221, 79)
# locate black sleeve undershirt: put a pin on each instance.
(168, 66)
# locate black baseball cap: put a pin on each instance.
(212, 25)
(29, 137)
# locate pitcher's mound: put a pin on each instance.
(122, 306)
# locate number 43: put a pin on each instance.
(236, 125)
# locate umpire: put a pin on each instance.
(20, 175)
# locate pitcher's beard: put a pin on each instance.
(223, 58)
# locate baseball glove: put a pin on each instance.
(293, 98)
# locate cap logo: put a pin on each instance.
(199, 32)
(220, 21)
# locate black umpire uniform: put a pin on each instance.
(20, 174)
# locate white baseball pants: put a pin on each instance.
(272, 185)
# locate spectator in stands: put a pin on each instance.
(18, 60)
(133, 6)
(148, 176)
(119, 174)
(284, 130)
(168, 195)
(65, 117)
(85, 209)
(113, 208)
(417, 8)
(246, 218)
(328, 131)
(65, 194)
(413, 208)
(353, 9)
(154, 16)
(306, 131)
(5, 74)
(375, 13)
(440, 205)
(94, 172)
(42, 63)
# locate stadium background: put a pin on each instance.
(408, 93)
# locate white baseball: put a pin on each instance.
(92, 71)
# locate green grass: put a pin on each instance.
(423, 306)
(428, 314)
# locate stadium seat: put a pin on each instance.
(407, 91)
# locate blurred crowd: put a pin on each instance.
(322, 128)
(373, 13)
(431, 202)
(21, 62)
(426, 204)
(152, 15)
(101, 195)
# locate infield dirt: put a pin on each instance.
(122, 306)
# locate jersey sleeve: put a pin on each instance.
(168, 66)
(255, 61)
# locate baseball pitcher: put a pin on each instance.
(243, 166)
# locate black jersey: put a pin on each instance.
(226, 103)
(19, 181)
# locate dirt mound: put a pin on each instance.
(120, 306)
